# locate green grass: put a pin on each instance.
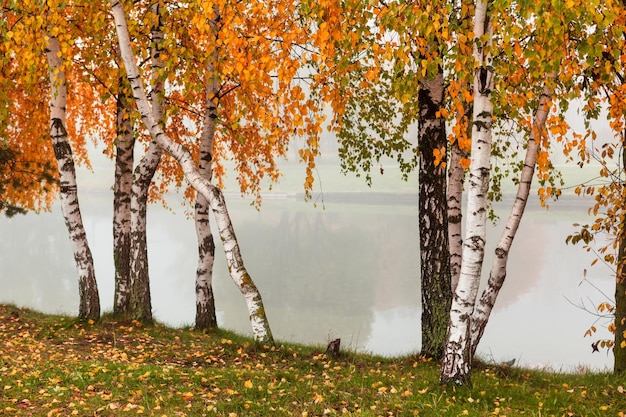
(57, 366)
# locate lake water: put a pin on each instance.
(350, 270)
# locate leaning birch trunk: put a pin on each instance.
(433, 218)
(456, 364)
(141, 300)
(497, 274)
(205, 301)
(258, 318)
(89, 305)
(124, 157)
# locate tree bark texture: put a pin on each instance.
(258, 318)
(122, 190)
(497, 274)
(141, 300)
(619, 348)
(89, 305)
(456, 177)
(205, 301)
(456, 364)
(433, 222)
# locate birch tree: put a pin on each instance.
(456, 362)
(531, 43)
(140, 303)
(385, 78)
(432, 212)
(260, 325)
(205, 301)
(242, 55)
(260, 68)
(618, 327)
(497, 274)
(124, 157)
(39, 48)
(89, 306)
(566, 38)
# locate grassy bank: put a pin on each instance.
(56, 366)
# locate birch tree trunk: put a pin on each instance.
(141, 301)
(455, 214)
(205, 301)
(89, 305)
(619, 348)
(456, 364)
(456, 177)
(433, 222)
(497, 274)
(258, 318)
(124, 159)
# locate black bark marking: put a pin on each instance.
(208, 157)
(57, 129)
(475, 242)
(436, 289)
(62, 152)
(501, 252)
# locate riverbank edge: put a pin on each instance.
(56, 365)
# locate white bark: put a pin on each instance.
(456, 362)
(258, 319)
(89, 306)
(124, 157)
(141, 301)
(205, 301)
(456, 175)
(498, 267)
(141, 304)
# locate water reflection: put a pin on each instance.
(349, 271)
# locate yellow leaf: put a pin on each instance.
(248, 384)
